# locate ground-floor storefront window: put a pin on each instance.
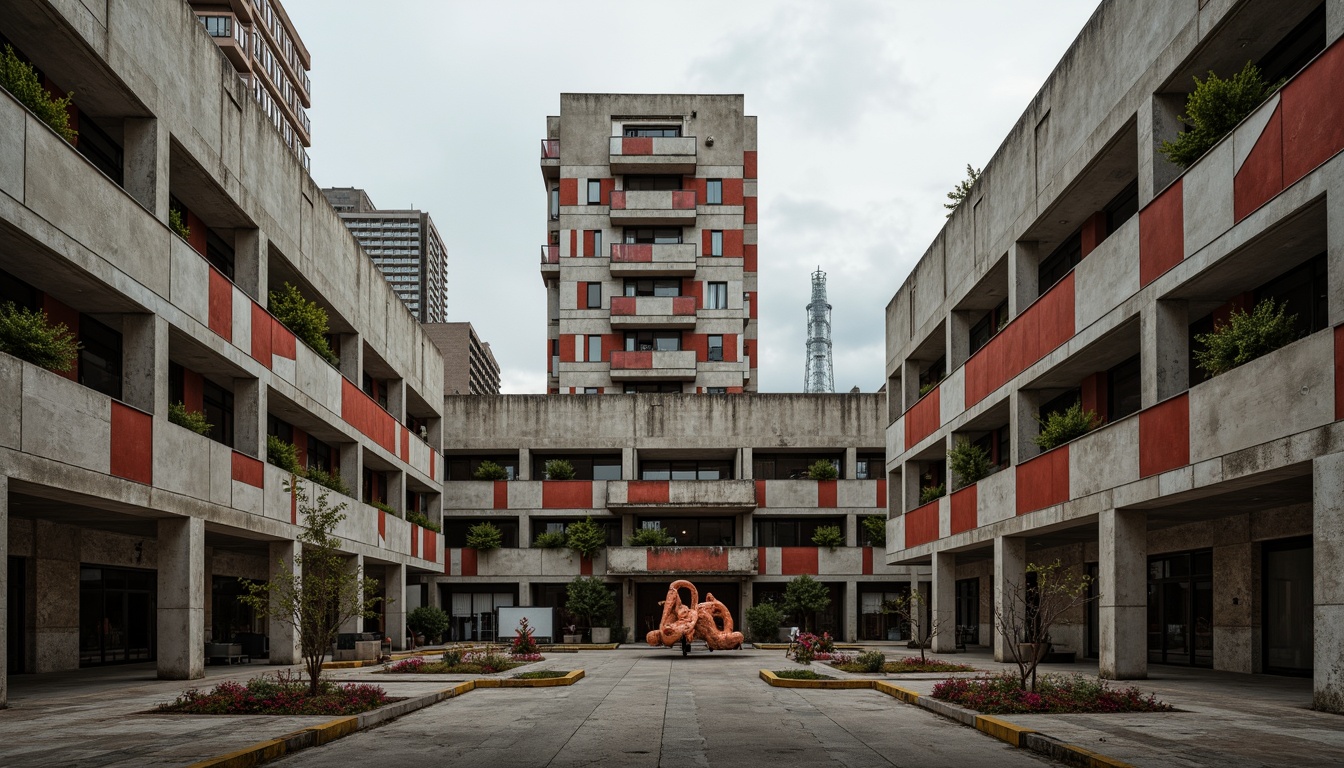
(1180, 608)
(116, 615)
(1288, 628)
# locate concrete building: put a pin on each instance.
(469, 367)
(405, 245)
(266, 51)
(650, 259)
(125, 535)
(1080, 268)
(725, 476)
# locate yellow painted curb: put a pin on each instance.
(550, 682)
(335, 729)
(1001, 729)
(835, 685)
(904, 694)
(246, 757)
(1094, 760)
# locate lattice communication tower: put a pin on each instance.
(820, 373)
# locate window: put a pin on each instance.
(554, 525)
(653, 387)
(933, 374)
(594, 349)
(686, 469)
(714, 192)
(594, 296)
(218, 403)
(870, 466)
(716, 242)
(590, 390)
(455, 530)
(995, 445)
(716, 390)
(789, 466)
(989, 326)
(1060, 263)
(1060, 404)
(555, 203)
(99, 357)
(653, 235)
(597, 243)
(1122, 207)
(1123, 389)
(219, 253)
(653, 341)
(791, 532)
(716, 296)
(716, 348)
(594, 192)
(586, 466)
(652, 131)
(464, 467)
(669, 287)
(696, 531)
(652, 183)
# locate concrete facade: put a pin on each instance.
(469, 367)
(126, 534)
(650, 259)
(1081, 268)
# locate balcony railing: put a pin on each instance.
(550, 254)
(726, 561)
(550, 149)
(663, 364)
(665, 154)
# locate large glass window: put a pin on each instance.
(586, 466)
(455, 530)
(653, 131)
(594, 192)
(715, 348)
(218, 403)
(1060, 263)
(665, 287)
(464, 467)
(989, 326)
(870, 466)
(595, 348)
(716, 242)
(686, 469)
(653, 235)
(99, 357)
(790, 466)
(593, 296)
(1180, 608)
(696, 531)
(1124, 387)
(1288, 606)
(653, 387)
(790, 531)
(560, 525)
(714, 192)
(651, 183)
(116, 615)
(652, 341)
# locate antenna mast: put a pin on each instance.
(820, 374)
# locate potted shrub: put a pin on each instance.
(429, 621)
(283, 455)
(305, 318)
(184, 417)
(585, 537)
(1213, 109)
(29, 335)
(822, 469)
(559, 469)
(484, 537)
(1245, 336)
(1062, 426)
(829, 536)
(763, 622)
(932, 493)
(587, 599)
(650, 537)
(489, 470)
(21, 80)
(968, 462)
(549, 540)
(875, 526)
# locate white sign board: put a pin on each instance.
(542, 620)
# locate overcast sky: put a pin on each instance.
(868, 114)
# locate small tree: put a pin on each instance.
(484, 537)
(20, 79)
(559, 469)
(823, 469)
(763, 622)
(829, 536)
(322, 593)
(588, 599)
(1245, 336)
(1060, 427)
(1027, 614)
(430, 621)
(962, 190)
(804, 597)
(585, 537)
(913, 609)
(1213, 109)
(489, 470)
(176, 223)
(649, 537)
(29, 335)
(968, 462)
(875, 526)
(184, 417)
(305, 318)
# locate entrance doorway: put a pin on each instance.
(16, 611)
(1180, 609)
(117, 613)
(1287, 606)
(473, 612)
(875, 623)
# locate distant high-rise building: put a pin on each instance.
(405, 245)
(469, 367)
(260, 41)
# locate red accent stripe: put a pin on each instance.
(382, 525)
(623, 305)
(826, 493)
(732, 191)
(567, 494)
(636, 145)
(364, 414)
(469, 564)
(1164, 436)
(585, 566)
(760, 493)
(621, 360)
(132, 444)
(964, 509)
(760, 560)
(1162, 234)
(682, 305)
(248, 470)
(1339, 373)
(429, 545)
(501, 494)
(283, 342)
(921, 525)
(749, 164)
(1313, 115)
(796, 561)
(686, 559)
(1043, 481)
(683, 200)
(881, 494)
(749, 210)
(648, 492)
(261, 335)
(569, 193)
(221, 304)
(923, 418)
(415, 540)
(1045, 325)
(1261, 177)
(63, 314)
(293, 508)
(749, 265)
(867, 561)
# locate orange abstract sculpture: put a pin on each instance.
(682, 624)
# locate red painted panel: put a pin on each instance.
(1313, 115)
(1043, 481)
(622, 360)
(193, 390)
(638, 253)
(921, 525)
(1261, 176)
(197, 228)
(826, 492)
(1094, 394)
(698, 186)
(589, 246)
(1161, 234)
(1164, 436)
(221, 304)
(567, 494)
(618, 199)
(732, 243)
(881, 502)
(749, 210)
(749, 265)
(433, 464)
(132, 444)
(622, 305)
(585, 566)
(648, 492)
(382, 525)
(1339, 373)
(469, 567)
(415, 541)
(567, 345)
(964, 515)
(749, 164)
(683, 200)
(697, 343)
(606, 186)
(760, 560)
(248, 470)
(636, 145)
(687, 559)
(681, 305)
(695, 289)
(364, 414)
(760, 493)
(1044, 325)
(406, 445)
(923, 418)
(1094, 231)
(754, 298)
(261, 335)
(574, 249)
(301, 446)
(732, 192)
(58, 312)
(429, 546)
(569, 191)
(282, 340)
(796, 561)
(867, 561)
(501, 494)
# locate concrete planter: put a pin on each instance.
(572, 639)
(601, 634)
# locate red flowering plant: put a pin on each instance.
(283, 694)
(1002, 694)
(809, 647)
(523, 642)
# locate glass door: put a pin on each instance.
(1180, 609)
(1287, 606)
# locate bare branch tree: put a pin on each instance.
(913, 610)
(1025, 615)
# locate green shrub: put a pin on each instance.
(1213, 109)
(283, 455)
(331, 480)
(823, 469)
(484, 537)
(305, 318)
(876, 528)
(21, 81)
(452, 656)
(927, 388)
(1244, 337)
(176, 224)
(28, 335)
(423, 521)
(649, 537)
(180, 415)
(588, 599)
(968, 462)
(489, 470)
(559, 469)
(549, 540)
(585, 537)
(804, 596)
(384, 506)
(429, 621)
(828, 536)
(872, 661)
(801, 674)
(540, 674)
(1062, 426)
(932, 493)
(763, 622)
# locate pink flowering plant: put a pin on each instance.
(475, 663)
(810, 647)
(523, 642)
(282, 694)
(1002, 694)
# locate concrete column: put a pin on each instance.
(911, 484)
(525, 533)
(145, 163)
(746, 466)
(916, 618)
(1334, 205)
(958, 337)
(851, 617)
(434, 504)
(1164, 351)
(1159, 123)
(1334, 27)
(354, 564)
(1023, 426)
(1023, 276)
(181, 613)
(396, 491)
(352, 469)
(251, 264)
(394, 590)
(56, 589)
(525, 464)
(284, 639)
(1010, 577)
(4, 593)
(352, 357)
(1327, 529)
(629, 464)
(1122, 589)
(851, 463)
(910, 378)
(396, 400)
(249, 417)
(144, 363)
(944, 602)
(628, 610)
(851, 530)
(524, 592)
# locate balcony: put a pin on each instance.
(653, 260)
(550, 158)
(230, 35)
(670, 154)
(698, 496)
(681, 561)
(550, 262)
(673, 207)
(653, 312)
(676, 365)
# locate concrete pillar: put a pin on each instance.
(394, 590)
(56, 591)
(851, 463)
(145, 163)
(1164, 351)
(396, 491)
(144, 363)
(851, 530)
(1334, 208)
(434, 507)
(352, 470)
(352, 357)
(1023, 276)
(629, 608)
(916, 618)
(1334, 26)
(629, 464)
(284, 638)
(944, 613)
(1023, 426)
(251, 264)
(181, 613)
(396, 400)
(851, 618)
(1327, 529)
(249, 417)
(1159, 123)
(524, 592)
(746, 464)
(911, 485)
(910, 377)
(4, 593)
(525, 464)
(1010, 577)
(1122, 589)
(525, 536)
(354, 564)
(958, 337)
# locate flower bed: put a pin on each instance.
(455, 663)
(540, 674)
(911, 665)
(1055, 694)
(279, 695)
(800, 674)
